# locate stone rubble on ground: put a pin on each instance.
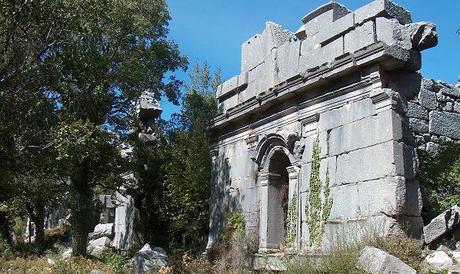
(374, 260)
(102, 230)
(148, 259)
(438, 261)
(98, 246)
(442, 224)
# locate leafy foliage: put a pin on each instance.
(70, 72)
(319, 202)
(439, 177)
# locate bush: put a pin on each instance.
(406, 249)
(115, 261)
(439, 177)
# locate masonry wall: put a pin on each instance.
(348, 79)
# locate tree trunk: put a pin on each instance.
(81, 206)
(37, 215)
(5, 229)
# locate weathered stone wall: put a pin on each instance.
(345, 79)
(434, 115)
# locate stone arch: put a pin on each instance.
(273, 143)
(275, 159)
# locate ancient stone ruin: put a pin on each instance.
(317, 137)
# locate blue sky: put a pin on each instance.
(213, 31)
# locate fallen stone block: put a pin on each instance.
(374, 260)
(101, 230)
(147, 259)
(98, 246)
(442, 224)
(437, 261)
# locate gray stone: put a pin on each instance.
(374, 260)
(456, 256)
(288, 60)
(67, 254)
(423, 35)
(148, 107)
(438, 261)
(451, 91)
(322, 16)
(382, 8)
(97, 271)
(148, 259)
(359, 38)
(359, 165)
(432, 148)
(418, 125)
(101, 230)
(428, 84)
(98, 246)
(446, 124)
(448, 106)
(457, 107)
(336, 28)
(365, 132)
(348, 113)
(406, 83)
(442, 224)
(428, 99)
(442, 98)
(455, 269)
(391, 32)
(416, 111)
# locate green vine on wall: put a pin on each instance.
(319, 204)
(292, 221)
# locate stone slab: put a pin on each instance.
(359, 38)
(382, 8)
(365, 132)
(374, 260)
(427, 99)
(348, 113)
(416, 111)
(442, 224)
(445, 123)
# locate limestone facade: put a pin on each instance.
(316, 137)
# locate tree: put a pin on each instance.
(92, 59)
(188, 173)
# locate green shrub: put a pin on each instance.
(439, 177)
(115, 261)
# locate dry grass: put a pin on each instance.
(40, 265)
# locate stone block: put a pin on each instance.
(365, 132)
(102, 230)
(407, 83)
(228, 86)
(386, 195)
(451, 92)
(427, 99)
(346, 114)
(437, 261)
(414, 202)
(374, 260)
(369, 163)
(288, 60)
(457, 107)
(321, 55)
(418, 125)
(360, 37)
(444, 123)
(345, 203)
(382, 8)
(332, 30)
(391, 32)
(322, 16)
(442, 224)
(416, 111)
(256, 50)
(252, 53)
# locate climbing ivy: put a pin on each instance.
(319, 204)
(292, 221)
